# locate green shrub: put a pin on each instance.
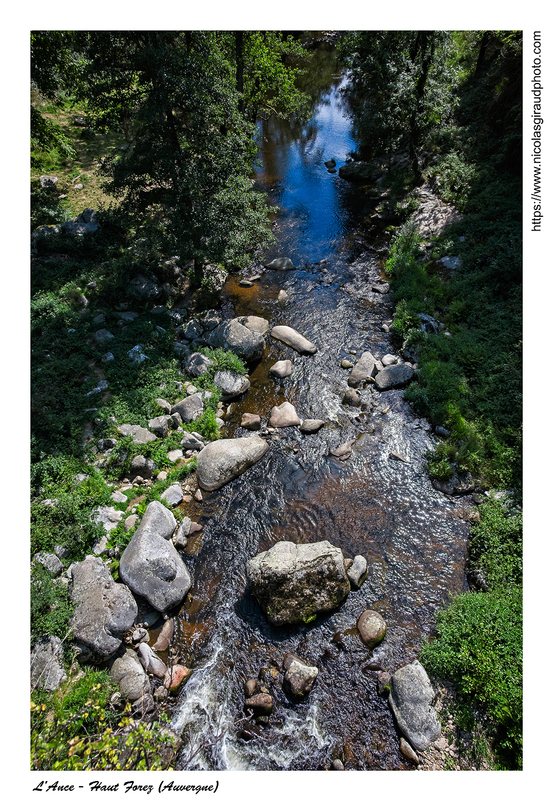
(496, 544)
(479, 647)
(77, 728)
(50, 606)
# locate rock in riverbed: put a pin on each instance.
(224, 459)
(411, 696)
(293, 583)
(294, 339)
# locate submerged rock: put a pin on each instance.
(225, 459)
(293, 583)
(411, 696)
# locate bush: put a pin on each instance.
(479, 647)
(78, 728)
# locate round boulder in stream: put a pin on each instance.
(224, 459)
(293, 583)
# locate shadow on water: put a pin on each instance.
(411, 535)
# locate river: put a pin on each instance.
(412, 536)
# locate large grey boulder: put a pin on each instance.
(394, 376)
(365, 369)
(410, 699)
(292, 338)
(233, 336)
(293, 583)
(231, 384)
(150, 564)
(47, 669)
(103, 610)
(225, 459)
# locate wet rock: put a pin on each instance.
(225, 459)
(389, 359)
(357, 573)
(311, 426)
(384, 680)
(442, 432)
(151, 663)
(129, 674)
(180, 537)
(175, 676)
(140, 635)
(231, 384)
(398, 457)
(337, 764)
(458, 484)
(47, 671)
(383, 289)
(165, 636)
(351, 398)
(407, 751)
(282, 295)
(299, 677)
(139, 435)
(357, 171)
(281, 369)
(282, 264)
(260, 704)
(394, 377)
(252, 687)
(343, 451)
(284, 415)
(251, 422)
(150, 565)
(294, 339)
(293, 583)
(410, 700)
(330, 164)
(371, 627)
(346, 364)
(365, 369)
(103, 611)
(233, 336)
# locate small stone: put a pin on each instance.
(371, 627)
(337, 764)
(345, 363)
(175, 676)
(198, 495)
(175, 455)
(261, 704)
(407, 751)
(398, 457)
(131, 521)
(162, 475)
(311, 426)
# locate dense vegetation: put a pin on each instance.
(155, 130)
(452, 103)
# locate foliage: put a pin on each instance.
(479, 646)
(77, 728)
(50, 606)
(496, 545)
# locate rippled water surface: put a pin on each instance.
(412, 536)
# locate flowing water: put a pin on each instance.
(412, 536)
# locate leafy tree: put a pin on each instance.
(400, 85)
(55, 65)
(187, 101)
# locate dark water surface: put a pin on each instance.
(411, 535)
